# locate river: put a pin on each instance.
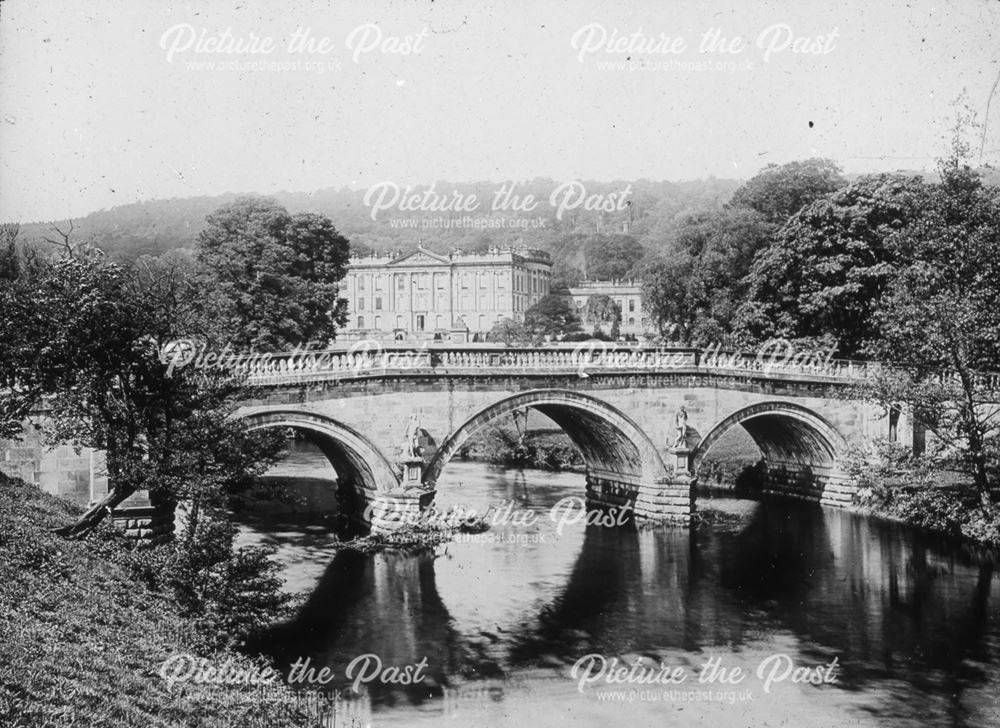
(897, 628)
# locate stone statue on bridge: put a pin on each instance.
(682, 427)
(411, 438)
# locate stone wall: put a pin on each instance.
(79, 477)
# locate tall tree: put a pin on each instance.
(939, 321)
(828, 265)
(778, 192)
(693, 291)
(96, 330)
(278, 272)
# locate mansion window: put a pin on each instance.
(378, 303)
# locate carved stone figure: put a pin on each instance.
(682, 421)
(411, 438)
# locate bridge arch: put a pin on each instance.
(787, 434)
(362, 470)
(608, 440)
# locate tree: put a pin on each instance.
(939, 321)
(692, 292)
(601, 310)
(278, 272)
(829, 264)
(86, 339)
(95, 330)
(553, 316)
(600, 257)
(611, 257)
(778, 192)
(664, 295)
(509, 332)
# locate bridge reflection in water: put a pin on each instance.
(912, 620)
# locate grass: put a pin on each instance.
(81, 642)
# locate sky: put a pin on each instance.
(105, 103)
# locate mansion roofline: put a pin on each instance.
(421, 256)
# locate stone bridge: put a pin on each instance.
(390, 418)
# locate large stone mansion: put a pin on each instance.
(460, 296)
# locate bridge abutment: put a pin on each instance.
(826, 484)
(661, 500)
(145, 519)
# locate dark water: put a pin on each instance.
(502, 618)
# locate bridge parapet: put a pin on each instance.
(373, 359)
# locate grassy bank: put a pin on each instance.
(82, 642)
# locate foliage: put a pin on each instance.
(227, 594)
(778, 192)
(277, 272)
(602, 310)
(892, 481)
(828, 265)
(552, 316)
(593, 256)
(505, 446)
(83, 639)
(95, 329)
(692, 292)
(509, 332)
(939, 323)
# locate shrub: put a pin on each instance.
(227, 593)
(891, 481)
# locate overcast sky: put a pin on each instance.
(105, 103)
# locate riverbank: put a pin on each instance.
(84, 642)
(928, 494)
(547, 450)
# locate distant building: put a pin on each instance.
(422, 294)
(628, 296)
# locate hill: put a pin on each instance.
(156, 226)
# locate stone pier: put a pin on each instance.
(390, 511)
(664, 500)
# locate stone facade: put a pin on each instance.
(422, 294)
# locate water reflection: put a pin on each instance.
(911, 619)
